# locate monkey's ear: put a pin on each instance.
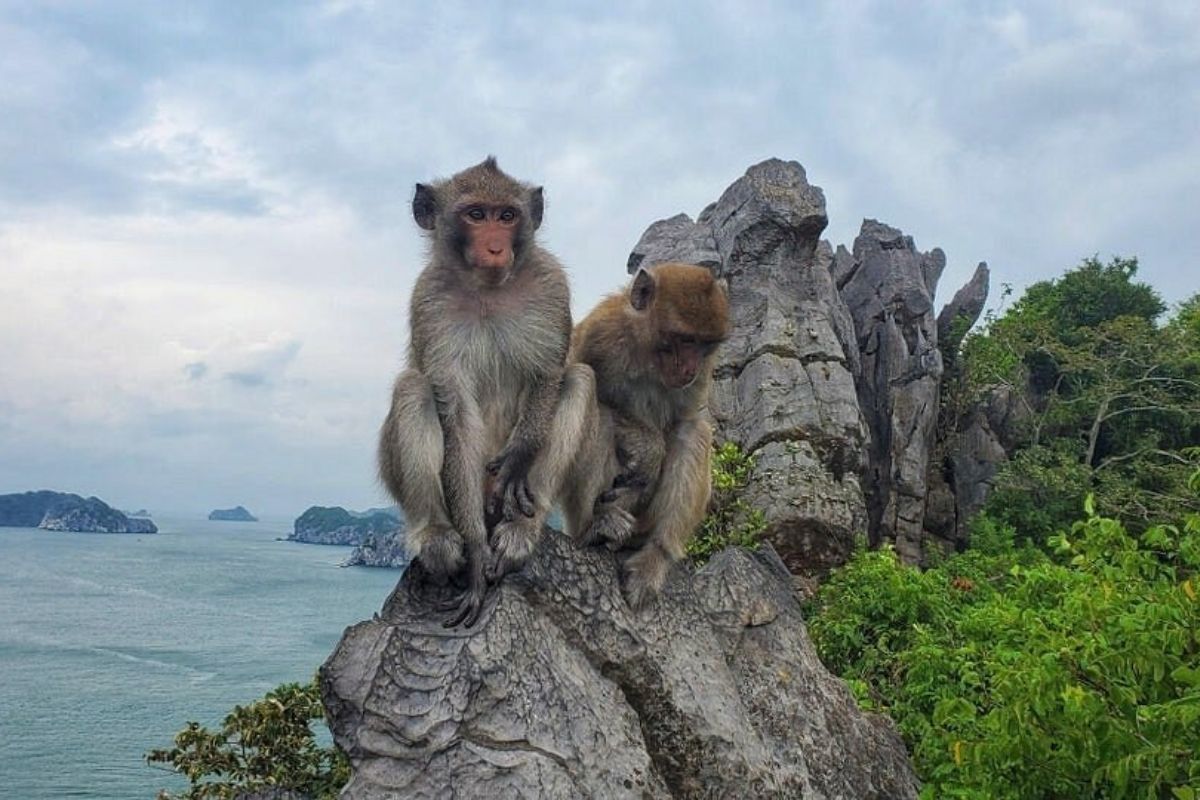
(424, 206)
(537, 205)
(641, 293)
(723, 285)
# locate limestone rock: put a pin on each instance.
(889, 292)
(561, 691)
(963, 311)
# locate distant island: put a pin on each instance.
(59, 511)
(383, 549)
(141, 512)
(336, 526)
(237, 514)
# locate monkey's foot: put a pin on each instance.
(439, 548)
(612, 526)
(645, 572)
(512, 544)
(470, 604)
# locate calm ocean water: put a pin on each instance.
(109, 644)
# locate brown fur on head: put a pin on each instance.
(481, 219)
(683, 298)
(681, 314)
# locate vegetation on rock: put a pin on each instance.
(730, 520)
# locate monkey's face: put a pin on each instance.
(681, 357)
(489, 237)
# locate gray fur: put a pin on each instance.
(483, 388)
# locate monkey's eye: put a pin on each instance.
(476, 214)
(508, 215)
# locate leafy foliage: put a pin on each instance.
(1107, 399)
(268, 744)
(1013, 673)
(730, 519)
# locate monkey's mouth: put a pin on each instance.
(493, 276)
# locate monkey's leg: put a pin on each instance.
(674, 512)
(516, 535)
(410, 464)
(462, 425)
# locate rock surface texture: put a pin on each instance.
(561, 692)
(831, 377)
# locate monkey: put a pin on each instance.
(641, 477)
(486, 415)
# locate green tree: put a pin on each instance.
(1107, 397)
(268, 744)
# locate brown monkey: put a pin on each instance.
(652, 349)
(485, 419)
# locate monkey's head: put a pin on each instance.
(682, 314)
(481, 219)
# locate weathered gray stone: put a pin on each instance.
(561, 691)
(957, 317)
(889, 293)
(675, 239)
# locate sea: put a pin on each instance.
(111, 643)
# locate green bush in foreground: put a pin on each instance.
(267, 744)
(730, 520)
(1016, 674)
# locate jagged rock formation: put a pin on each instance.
(833, 372)
(236, 514)
(335, 525)
(59, 511)
(560, 691)
(889, 290)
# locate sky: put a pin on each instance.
(206, 243)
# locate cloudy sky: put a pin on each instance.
(205, 241)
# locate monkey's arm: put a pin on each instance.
(675, 510)
(462, 425)
(511, 467)
(549, 337)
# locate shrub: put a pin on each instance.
(730, 520)
(1013, 673)
(268, 744)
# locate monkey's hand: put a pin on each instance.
(511, 493)
(611, 525)
(512, 544)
